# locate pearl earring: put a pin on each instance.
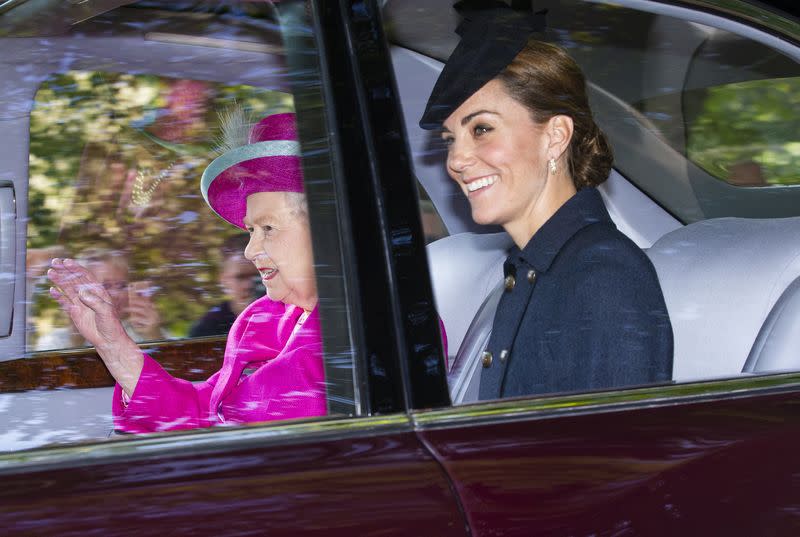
(552, 165)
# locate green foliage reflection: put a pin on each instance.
(115, 163)
(747, 133)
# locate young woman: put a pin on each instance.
(582, 307)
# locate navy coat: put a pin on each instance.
(582, 310)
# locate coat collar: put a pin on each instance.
(581, 210)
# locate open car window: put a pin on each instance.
(701, 113)
(113, 181)
(111, 116)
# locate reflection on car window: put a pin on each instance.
(703, 121)
(432, 224)
(115, 165)
(727, 104)
(117, 117)
(742, 133)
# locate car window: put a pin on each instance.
(723, 102)
(432, 224)
(741, 133)
(114, 165)
(717, 106)
(110, 119)
(702, 117)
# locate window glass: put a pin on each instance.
(432, 224)
(694, 112)
(725, 103)
(115, 166)
(703, 121)
(108, 120)
(742, 133)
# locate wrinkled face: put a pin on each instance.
(115, 279)
(280, 248)
(497, 154)
(237, 278)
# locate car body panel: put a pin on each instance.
(693, 467)
(353, 484)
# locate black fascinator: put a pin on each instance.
(492, 34)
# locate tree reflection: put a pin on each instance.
(115, 163)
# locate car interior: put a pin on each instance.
(728, 257)
(729, 274)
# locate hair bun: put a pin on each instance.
(592, 158)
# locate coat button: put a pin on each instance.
(510, 282)
(486, 359)
(504, 355)
(531, 276)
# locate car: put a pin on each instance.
(108, 116)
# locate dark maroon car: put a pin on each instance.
(108, 115)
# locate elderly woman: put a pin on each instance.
(272, 367)
(582, 307)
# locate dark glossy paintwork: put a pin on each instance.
(373, 485)
(725, 467)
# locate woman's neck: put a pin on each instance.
(307, 305)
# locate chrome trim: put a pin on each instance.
(751, 13)
(8, 5)
(736, 11)
(8, 255)
(201, 441)
(589, 403)
(202, 41)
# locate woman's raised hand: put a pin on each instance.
(92, 312)
(87, 303)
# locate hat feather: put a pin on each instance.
(235, 125)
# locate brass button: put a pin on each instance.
(486, 359)
(510, 281)
(503, 355)
(531, 276)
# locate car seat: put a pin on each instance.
(732, 288)
(732, 294)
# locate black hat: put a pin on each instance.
(492, 34)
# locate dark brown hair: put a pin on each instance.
(547, 81)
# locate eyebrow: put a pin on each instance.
(469, 117)
(466, 119)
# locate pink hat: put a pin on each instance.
(269, 162)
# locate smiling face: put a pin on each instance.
(280, 248)
(499, 157)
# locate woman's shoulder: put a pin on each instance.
(600, 256)
(603, 242)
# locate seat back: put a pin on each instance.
(721, 278)
(777, 346)
(464, 269)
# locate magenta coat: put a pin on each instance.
(272, 370)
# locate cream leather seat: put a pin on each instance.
(732, 288)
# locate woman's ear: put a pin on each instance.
(559, 128)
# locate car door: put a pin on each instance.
(359, 471)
